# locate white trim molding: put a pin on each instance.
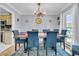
(65, 8)
(14, 8)
(13, 17)
(58, 12)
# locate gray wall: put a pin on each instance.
(27, 22)
(23, 25)
(15, 15)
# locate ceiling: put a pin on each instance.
(3, 11)
(29, 8)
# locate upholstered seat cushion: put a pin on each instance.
(21, 40)
(59, 40)
(75, 49)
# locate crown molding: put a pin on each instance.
(14, 8)
(65, 8)
(58, 12)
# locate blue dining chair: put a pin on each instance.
(62, 38)
(18, 40)
(33, 41)
(35, 30)
(75, 50)
(45, 31)
(56, 30)
(51, 41)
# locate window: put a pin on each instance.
(69, 29)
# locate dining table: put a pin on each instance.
(40, 35)
(25, 35)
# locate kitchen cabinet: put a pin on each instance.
(7, 37)
(6, 18)
(6, 22)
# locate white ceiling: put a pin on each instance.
(29, 8)
(3, 10)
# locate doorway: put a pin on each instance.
(5, 26)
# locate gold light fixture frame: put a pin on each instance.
(38, 13)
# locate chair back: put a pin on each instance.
(63, 32)
(75, 50)
(36, 30)
(56, 30)
(46, 30)
(15, 32)
(51, 39)
(33, 40)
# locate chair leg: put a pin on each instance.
(24, 45)
(73, 53)
(64, 44)
(60, 43)
(19, 45)
(27, 44)
(44, 45)
(55, 51)
(37, 51)
(15, 46)
(25, 48)
(44, 42)
(46, 52)
(28, 52)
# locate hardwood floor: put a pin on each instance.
(9, 51)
